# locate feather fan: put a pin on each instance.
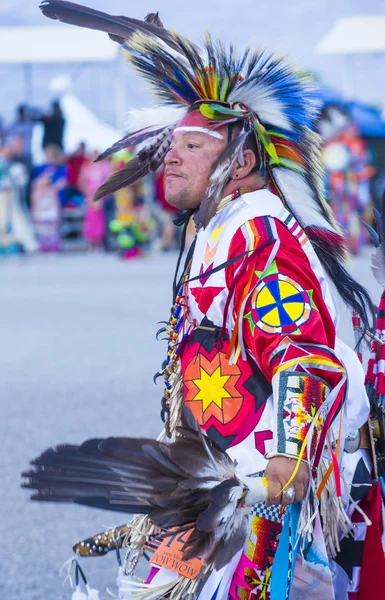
(189, 482)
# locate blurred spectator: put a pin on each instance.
(16, 231)
(16, 148)
(54, 124)
(22, 128)
(75, 162)
(92, 175)
(348, 171)
(47, 190)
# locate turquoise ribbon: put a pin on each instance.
(284, 559)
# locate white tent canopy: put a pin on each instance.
(31, 45)
(83, 126)
(354, 35)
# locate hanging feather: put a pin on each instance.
(132, 171)
(131, 139)
(218, 180)
(189, 482)
(378, 220)
(266, 142)
(374, 237)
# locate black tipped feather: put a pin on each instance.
(133, 170)
(131, 139)
(119, 28)
(189, 483)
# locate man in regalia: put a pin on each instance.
(252, 345)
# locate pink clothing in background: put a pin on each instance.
(91, 177)
(94, 224)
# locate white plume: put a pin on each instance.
(92, 593)
(78, 594)
(155, 118)
(300, 199)
(262, 101)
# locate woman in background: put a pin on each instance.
(92, 175)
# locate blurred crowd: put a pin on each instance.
(49, 206)
(350, 173)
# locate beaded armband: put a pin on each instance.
(297, 397)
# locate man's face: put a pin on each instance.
(188, 166)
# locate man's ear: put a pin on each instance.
(241, 171)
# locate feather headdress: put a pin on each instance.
(268, 100)
(263, 94)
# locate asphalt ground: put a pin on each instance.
(77, 357)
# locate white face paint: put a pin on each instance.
(190, 128)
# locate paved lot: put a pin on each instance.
(77, 356)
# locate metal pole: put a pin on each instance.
(28, 87)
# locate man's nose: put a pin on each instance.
(172, 157)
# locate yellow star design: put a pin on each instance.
(211, 388)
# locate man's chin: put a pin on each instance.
(175, 195)
(179, 197)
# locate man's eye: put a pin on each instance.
(190, 145)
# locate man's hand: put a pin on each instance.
(278, 472)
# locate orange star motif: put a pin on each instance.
(210, 389)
